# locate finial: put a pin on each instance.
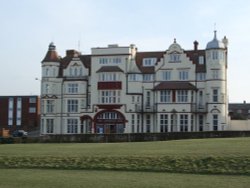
(215, 34)
(52, 46)
(225, 41)
(174, 40)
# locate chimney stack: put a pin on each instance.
(196, 45)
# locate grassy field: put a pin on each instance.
(32, 178)
(141, 164)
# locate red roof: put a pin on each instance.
(51, 56)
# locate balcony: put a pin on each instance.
(199, 108)
(147, 108)
(75, 78)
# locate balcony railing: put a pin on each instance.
(147, 108)
(199, 108)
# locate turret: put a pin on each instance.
(51, 62)
(216, 84)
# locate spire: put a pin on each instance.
(51, 55)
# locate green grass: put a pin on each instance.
(33, 178)
(196, 147)
(200, 156)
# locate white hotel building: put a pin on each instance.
(121, 90)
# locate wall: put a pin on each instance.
(239, 125)
(135, 137)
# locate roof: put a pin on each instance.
(194, 57)
(85, 59)
(51, 55)
(175, 85)
(215, 43)
(110, 69)
(141, 55)
(239, 106)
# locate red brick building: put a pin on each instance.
(19, 112)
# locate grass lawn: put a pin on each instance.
(192, 163)
(37, 178)
(193, 148)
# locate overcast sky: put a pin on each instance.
(28, 26)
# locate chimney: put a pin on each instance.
(196, 45)
(72, 53)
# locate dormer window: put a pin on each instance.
(174, 57)
(201, 60)
(148, 62)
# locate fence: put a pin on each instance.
(134, 137)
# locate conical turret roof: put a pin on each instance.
(51, 55)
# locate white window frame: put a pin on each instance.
(201, 76)
(215, 73)
(117, 60)
(103, 61)
(215, 55)
(148, 123)
(183, 74)
(215, 95)
(182, 96)
(148, 77)
(109, 76)
(175, 57)
(201, 60)
(50, 106)
(183, 122)
(72, 126)
(166, 75)
(165, 96)
(109, 96)
(149, 62)
(72, 105)
(132, 123)
(73, 88)
(49, 126)
(164, 121)
(215, 122)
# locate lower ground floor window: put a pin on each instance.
(164, 123)
(49, 125)
(183, 122)
(148, 123)
(72, 125)
(110, 128)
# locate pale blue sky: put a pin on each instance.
(28, 26)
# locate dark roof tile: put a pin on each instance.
(175, 85)
(110, 69)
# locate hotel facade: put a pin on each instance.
(118, 89)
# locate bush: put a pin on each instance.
(8, 140)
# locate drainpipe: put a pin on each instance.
(61, 119)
